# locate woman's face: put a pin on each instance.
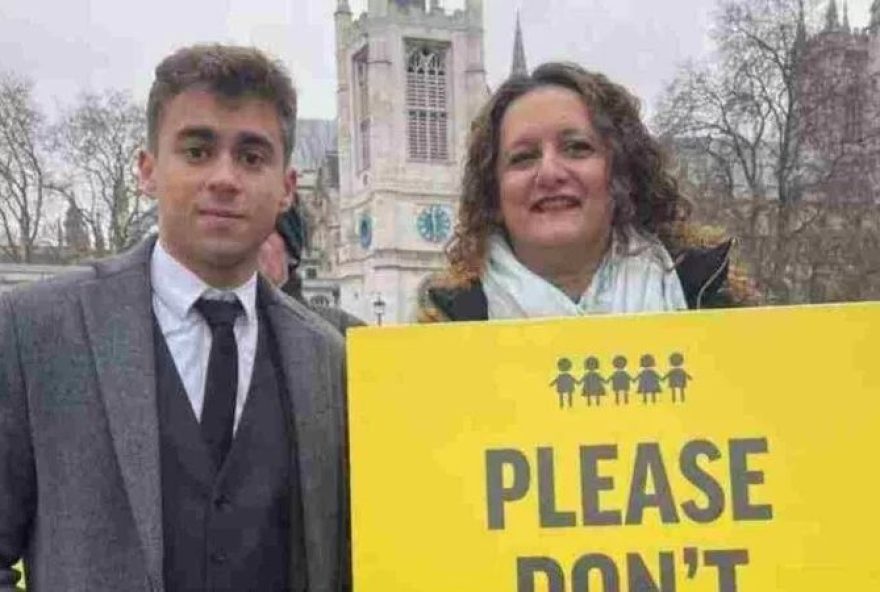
(553, 173)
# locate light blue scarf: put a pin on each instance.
(637, 276)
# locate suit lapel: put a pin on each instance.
(118, 316)
(318, 430)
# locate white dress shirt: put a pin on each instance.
(175, 290)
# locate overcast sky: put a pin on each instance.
(74, 45)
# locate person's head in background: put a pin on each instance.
(281, 252)
(280, 256)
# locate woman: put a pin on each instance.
(568, 208)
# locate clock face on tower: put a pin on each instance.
(434, 223)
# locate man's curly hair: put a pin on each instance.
(645, 193)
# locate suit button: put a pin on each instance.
(222, 503)
(218, 558)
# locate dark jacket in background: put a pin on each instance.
(337, 317)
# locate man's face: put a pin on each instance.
(219, 176)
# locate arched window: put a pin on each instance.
(852, 122)
(427, 102)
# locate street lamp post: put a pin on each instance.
(379, 308)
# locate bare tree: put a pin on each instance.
(26, 186)
(752, 127)
(99, 139)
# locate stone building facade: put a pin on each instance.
(411, 77)
(840, 85)
(836, 120)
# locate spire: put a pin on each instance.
(800, 40)
(75, 231)
(875, 16)
(832, 23)
(846, 27)
(799, 49)
(519, 67)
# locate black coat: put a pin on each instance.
(338, 318)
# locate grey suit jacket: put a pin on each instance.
(80, 497)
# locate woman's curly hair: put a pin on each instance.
(645, 193)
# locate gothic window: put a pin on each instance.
(852, 130)
(362, 109)
(427, 102)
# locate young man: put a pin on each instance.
(168, 420)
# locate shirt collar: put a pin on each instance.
(178, 288)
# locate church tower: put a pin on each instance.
(410, 80)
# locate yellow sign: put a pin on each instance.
(720, 451)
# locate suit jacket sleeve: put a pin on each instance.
(17, 472)
(346, 576)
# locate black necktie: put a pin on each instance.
(221, 383)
